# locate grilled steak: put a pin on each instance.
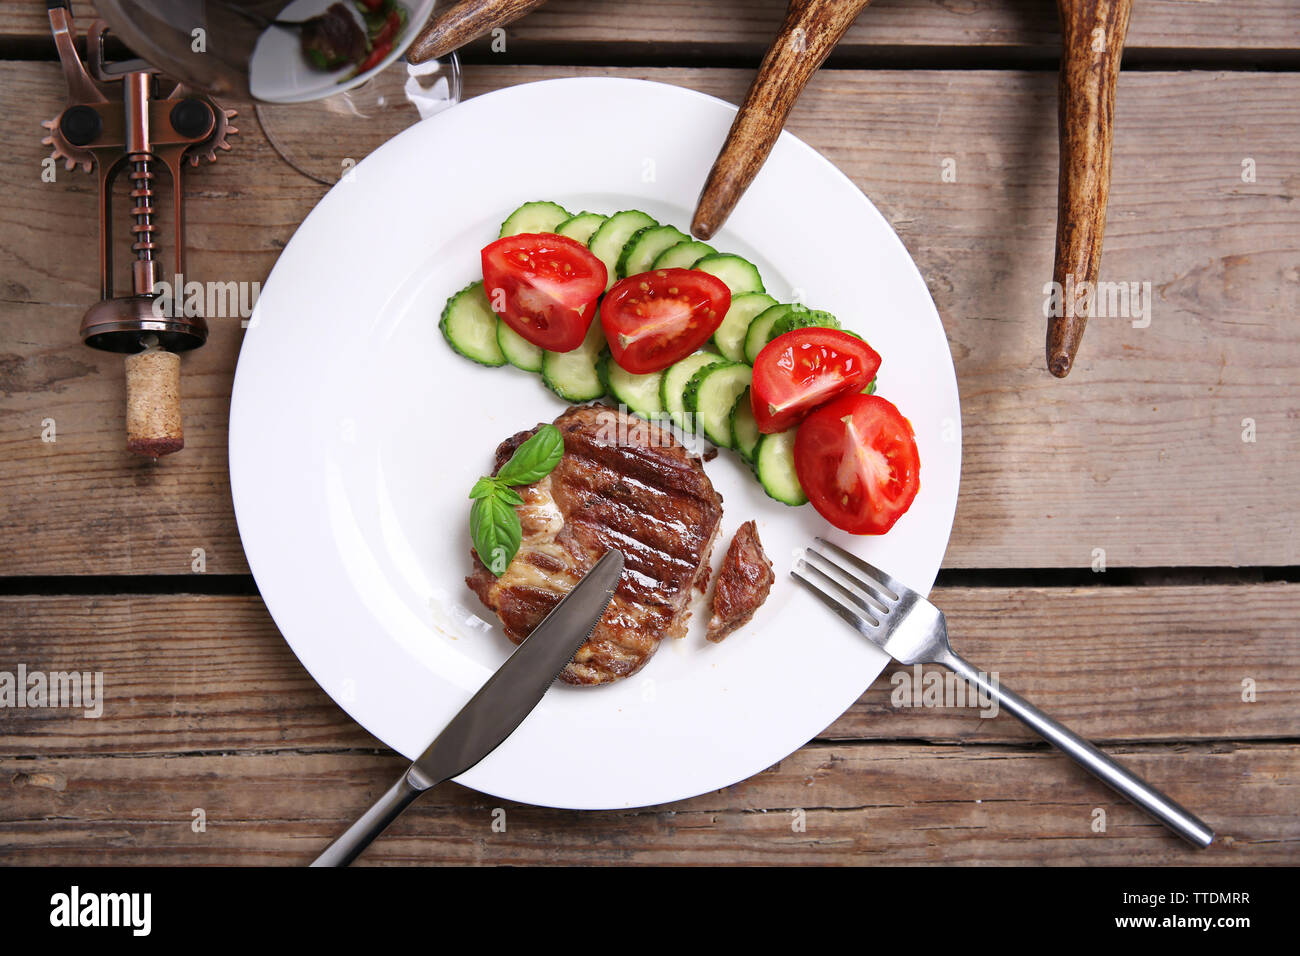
(622, 483)
(744, 582)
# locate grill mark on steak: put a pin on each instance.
(621, 483)
(744, 582)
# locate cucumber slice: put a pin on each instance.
(470, 326)
(744, 429)
(608, 241)
(683, 255)
(730, 336)
(672, 390)
(640, 393)
(574, 376)
(581, 226)
(711, 395)
(800, 317)
(534, 217)
(739, 274)
(774, 464)
(518, 351)
(760, 328)
(603, 364)
(640, 252)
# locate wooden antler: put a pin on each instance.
(1092, 36)
(454, 26)
(810, 32)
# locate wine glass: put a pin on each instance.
(321, 118)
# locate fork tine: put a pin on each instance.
(865, 593)
(845, 608)
(894, 590)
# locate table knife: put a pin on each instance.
(493, 713)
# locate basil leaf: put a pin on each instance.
(493, 524)
(509, 495)
(483, 487)
(496, 531)
(534, 459)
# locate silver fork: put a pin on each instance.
(911, 630)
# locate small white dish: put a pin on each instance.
(278, 72)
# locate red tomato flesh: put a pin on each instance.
(544, 287)
(796, 372)
(857, 461)
(653, 319)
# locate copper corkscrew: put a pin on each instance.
(116, 122)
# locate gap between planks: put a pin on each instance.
(234, 585)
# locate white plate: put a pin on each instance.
(355, 434)
(278, 72)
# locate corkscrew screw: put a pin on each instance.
(117, 122)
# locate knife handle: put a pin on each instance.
(372, 823)
(1092, 34)
(809, 33)
(451, 27)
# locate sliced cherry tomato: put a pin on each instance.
(374, 56)
(392, 23)
(544, 287)
(856, 459)
(796, 372)
(655, 318)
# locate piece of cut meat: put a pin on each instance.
(744, 582)
(621, 483)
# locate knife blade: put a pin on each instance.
(496, 709)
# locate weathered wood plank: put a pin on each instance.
(874, 803)
(1128, 455)
(193, 673)
(744, 27)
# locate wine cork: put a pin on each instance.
(153, 403)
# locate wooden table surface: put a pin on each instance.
(1182, 656)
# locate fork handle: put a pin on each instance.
(1109, 771)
